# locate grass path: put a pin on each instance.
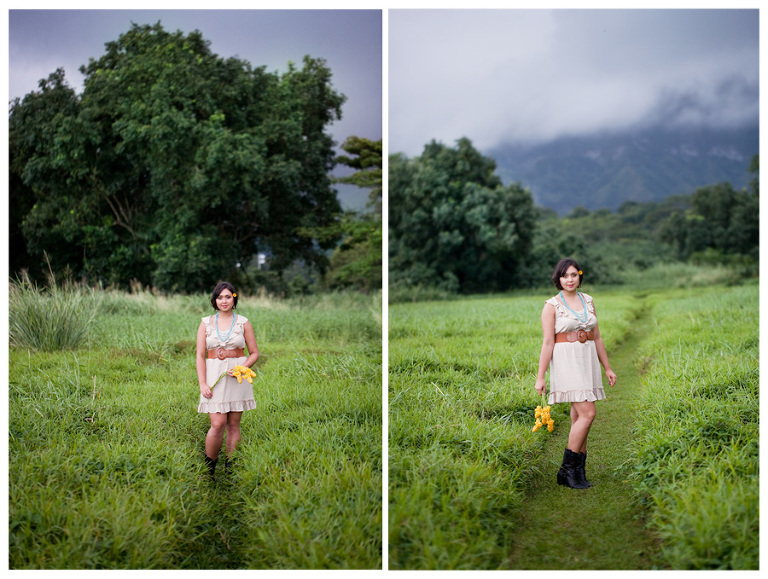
(595, 528)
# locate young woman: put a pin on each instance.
(573, 350)
(221, 340)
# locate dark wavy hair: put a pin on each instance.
(562, 267)
(220, 287)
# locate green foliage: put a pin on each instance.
(106, 446)
(31, 138)
(175, 165)
(357, 263)
(719, 219)
(368, 162)
(695, 455)
(452, 225)
(418, 293)
(682, 275)
(56, 318)
(716, 226)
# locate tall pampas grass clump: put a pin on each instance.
(55, 317)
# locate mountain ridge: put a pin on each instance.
(605, 170)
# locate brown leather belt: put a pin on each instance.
(580, 336)
(221, 353)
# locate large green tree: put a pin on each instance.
(453, 225)
(175, 166)
(32, 131)
(357, 261)
(365, 156)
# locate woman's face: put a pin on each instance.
(570, 280)
(225, 301)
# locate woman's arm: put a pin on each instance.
(250, 341)
(602, 355)
(547, 346)
(200, 357)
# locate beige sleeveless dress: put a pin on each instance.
(575, 374)
(228, 394)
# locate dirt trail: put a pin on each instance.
(595, 528)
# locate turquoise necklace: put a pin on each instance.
(224, 340)
(578, 317)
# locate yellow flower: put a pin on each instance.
(239, 372)
(543, 418)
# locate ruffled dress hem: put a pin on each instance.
(577, 396)
(224, 407)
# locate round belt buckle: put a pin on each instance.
(581, 335)
(221, 353)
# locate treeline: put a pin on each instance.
(454, 227)
(176, 168)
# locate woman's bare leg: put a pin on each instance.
(215, 435)
(233, 431)
(582, 416)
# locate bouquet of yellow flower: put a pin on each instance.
(542, 417)
(239, 372)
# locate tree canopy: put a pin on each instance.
(366, 158)
(357, 261)
(453, 225)
(174, 167)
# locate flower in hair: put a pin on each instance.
(235, 295)
(580, 273)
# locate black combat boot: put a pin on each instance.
(582, 469)
(211, 464)
(568, 475)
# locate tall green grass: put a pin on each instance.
(56, 317)
(695, 456)
(106, 445)
(461, 402)
(678, 275)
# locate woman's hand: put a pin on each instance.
(611, 377)
(541, 386)
(205, 391)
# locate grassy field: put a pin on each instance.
(464, 465)
(695, 453)
(461, 402)
(106, 445)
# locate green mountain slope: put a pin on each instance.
(604, 171)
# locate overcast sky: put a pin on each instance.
(498, 76)
(40, 41)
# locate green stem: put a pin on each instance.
(217, 379)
